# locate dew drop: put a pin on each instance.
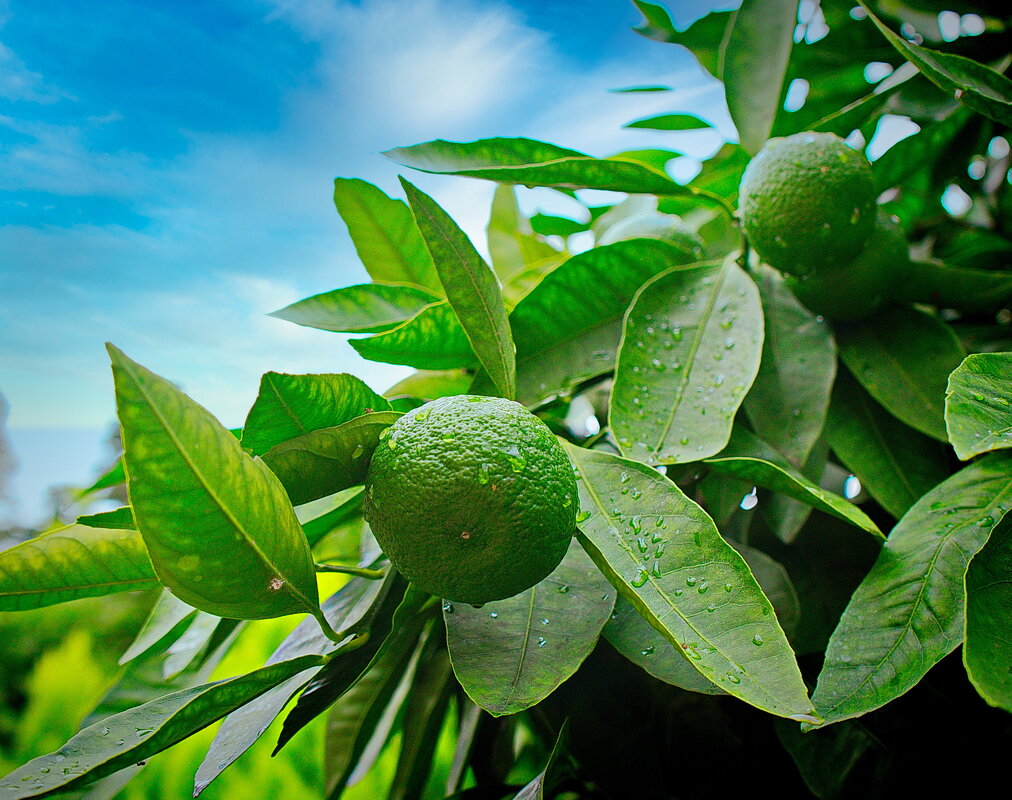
(422, 414)
(494, 615)
(758, 640)
(704, 587)
(358, 452)
(648, 650)
(448, 608)
(483, 474)
(541, 641)
(730, 677)
(583, 516)
(641, 578)
(516, 460)
(564, 589)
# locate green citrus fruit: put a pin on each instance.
(654, 226)
(807, 200)
(855, 290)
(471, 498)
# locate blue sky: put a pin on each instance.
(166, 168)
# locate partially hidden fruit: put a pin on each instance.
(807, 200)
(654, 225)
(471, 498)
(855, 290)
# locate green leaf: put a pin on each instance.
(347, 505)
(977, 86)
(690, 351)
(776, 584)
(636, 89)
(895, 464)
(511, 240)
(785, 515)
(367, 308)
(363, 718)
(291, 405)
(244, 726)
(193, 642)
(789, 399)
(703, 38)
(432, 339)
(70, 563)
(827, 758)
(909, 157)
(722, 173)
(954, 287)
(330, 459)
(511, 654)
(430, 385)
(397, 612)
(549, 225)
(553, 772)
(121, 518)
(114, 477)
(669, 122)
(217, 524)
(533, 163)
(903, 358)
(664, 555)
(907, 614)
(167, 612)
(132, 736)
(385, 235)
(754, 65)
(424, 711)
(751, 459)
(566, 333)
(637, 640)
(987, 647)
(471, 288)
(978, 404)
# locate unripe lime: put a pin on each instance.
(807, 201)
(855, 290)
(471, 498)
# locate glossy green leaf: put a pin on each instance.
(511, 240)
(978, 404)
(113, 477)
(789, 399)
(754, 65)
(553, 772)
(533, 163)
(749, 458)
(664, 555)
(903, 358)
(954, 287)
(722, 173)
(362, 720)
(121, 518)
(647, 648)
(550, 225)
(566, 334)
(511, 654)
(346, 505)
(471, 289)
(217, 524)
(827, 758)
(70, 563)
(987, 646)
(131, 736)
(429, 384)
(193, 642)
(976, 85)
(367, 308)
(291, 405)
(690, 351)
(244, 726)
(432, 339)
(895, 464)
(907, 614)
(786, 515)
(424, 711)
(776, 584)
(167, 612)
(909, 156)
(330, 459)
(703, 38)
(385, 235)
(669, 122)
(396, 612)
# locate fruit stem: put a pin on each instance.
(358, 572)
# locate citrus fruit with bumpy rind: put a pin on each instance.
(807, 201)
(471, 498)
(856, 290)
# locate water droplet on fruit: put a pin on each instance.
(483, 475)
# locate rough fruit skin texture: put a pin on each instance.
(855, 290)
(807, 200)
(471, 498)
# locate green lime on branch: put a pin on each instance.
(807, 201)
(855, 290)
(472, 498)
